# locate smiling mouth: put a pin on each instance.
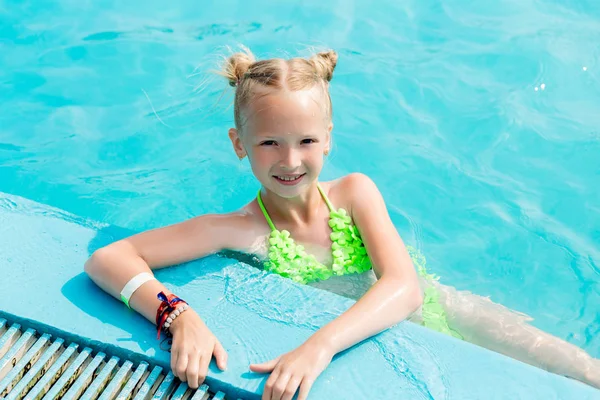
(288, 179)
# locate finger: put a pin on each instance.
(181, 366)
(291, 388)
(305, 387)
(268, 390)
(264, 367)
(279, 386)
(204, 362)
(191, 371)
(174, 358)
(220, 356)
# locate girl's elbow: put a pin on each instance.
(98, 258)
(408, 293)
(416, 297)
(103, 258)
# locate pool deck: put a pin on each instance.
(256, 316)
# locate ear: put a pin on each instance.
(236, 141)
(328, 142)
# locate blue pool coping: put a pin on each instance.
(257, 316)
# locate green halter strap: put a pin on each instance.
(264, 211)
(329, 205)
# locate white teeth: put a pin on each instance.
(288, 178)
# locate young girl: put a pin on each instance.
(335, 235)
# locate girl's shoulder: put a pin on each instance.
(350, 191)
(249, 221)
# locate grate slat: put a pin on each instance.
(180, 392)
(117, 382)
(2, 325)
(101, 380)
(9, 338)
(151, 381)
(16, 351)
(132, 382)
(201, 393)
(24, 365)
(68, 376)
(37, 371)
(165, 387)
(219, 396)
(85, 378)
(53, 373)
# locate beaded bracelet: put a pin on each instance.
(174, 315)
(170, 308)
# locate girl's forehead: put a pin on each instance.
(302, 108)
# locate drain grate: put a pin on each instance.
(35, 365)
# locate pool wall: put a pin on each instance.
(257, 316)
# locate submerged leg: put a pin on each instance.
(495, 327)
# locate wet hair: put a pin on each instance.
(248, 75)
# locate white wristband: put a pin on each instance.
(133, 285)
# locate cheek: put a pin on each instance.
(316, 158)
(261, 159)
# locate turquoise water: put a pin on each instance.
(108, 112)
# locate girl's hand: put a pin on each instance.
(193, 348)
(298, 368)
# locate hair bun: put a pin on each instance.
(237, 65)
(324, 63)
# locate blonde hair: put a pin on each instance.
(246, 74)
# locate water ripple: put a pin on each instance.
(496, 182)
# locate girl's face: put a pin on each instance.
(285, 135)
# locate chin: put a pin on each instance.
(289, 193)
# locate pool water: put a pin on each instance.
(478, 121)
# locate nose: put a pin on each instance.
(290, 158)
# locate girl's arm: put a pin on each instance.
(396, 294)
(394, 297)
(111, 267)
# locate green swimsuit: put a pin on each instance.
(290, 260)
